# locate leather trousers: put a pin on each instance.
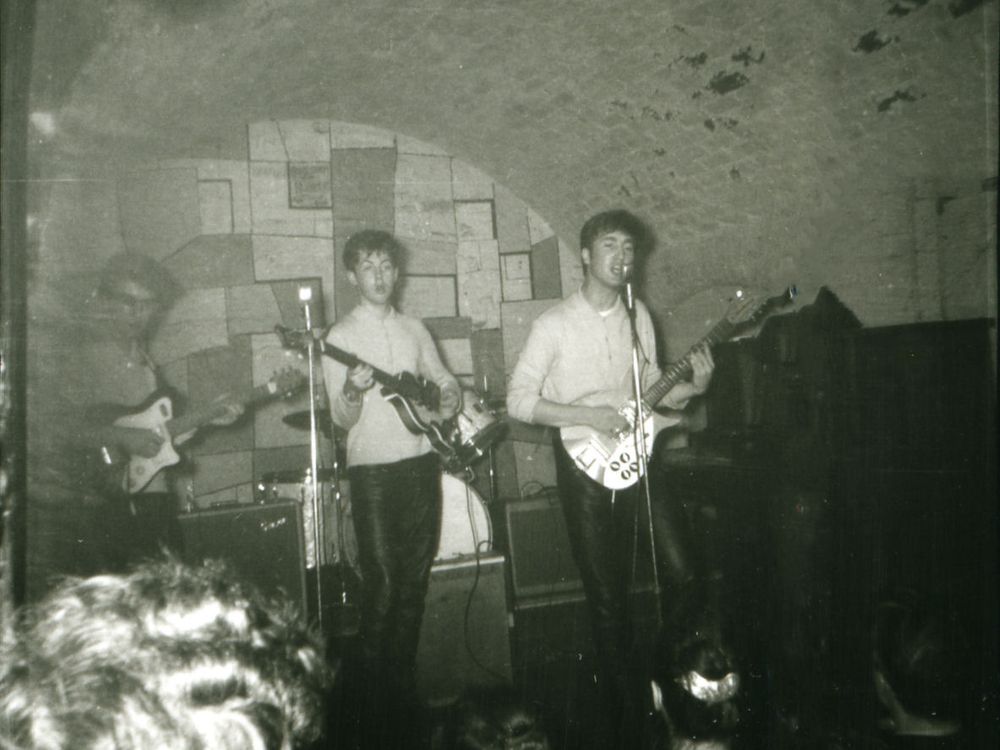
(601, 536)
(397, 520)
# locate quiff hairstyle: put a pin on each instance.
(370, 241)
(615, 220)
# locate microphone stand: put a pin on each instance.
(305, 295)
(642, 457)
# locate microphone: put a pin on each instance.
(629, 293)
(305, 296)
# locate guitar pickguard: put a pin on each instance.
(612, 461)
(141, 470)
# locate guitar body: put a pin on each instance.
(613, 461)
(419, 420)
(138, 471)
(416, 399)
(132, 473)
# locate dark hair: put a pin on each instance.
(703, 650)
(922, 655)
(497, 719)
(168, 656)
(139, 269)
(369, 241)
(616, 220)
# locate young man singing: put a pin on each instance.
(395, 475)
(576, 369)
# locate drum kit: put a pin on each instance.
(465, 521)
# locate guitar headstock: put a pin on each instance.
(286, 381)
(747, 309)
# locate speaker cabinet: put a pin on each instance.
(262, 543)
(465, 638)
(542, 567)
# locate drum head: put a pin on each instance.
(465, 523)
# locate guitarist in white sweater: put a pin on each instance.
(575, 370)
(395, 475)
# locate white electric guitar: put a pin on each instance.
(132, 473)
(612, 460)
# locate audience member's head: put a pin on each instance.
(497, 719)
(919, 662)
(165, 657)
(696, 687)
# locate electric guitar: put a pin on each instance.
(132, 473)
(612, 460)
(417, 401)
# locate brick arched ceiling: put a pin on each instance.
(758, 137)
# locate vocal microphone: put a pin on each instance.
(305, 296)
(629, 294)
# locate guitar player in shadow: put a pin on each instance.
(394, 472)
(113, 375)
(576, 370)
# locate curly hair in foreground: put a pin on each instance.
(168, 656)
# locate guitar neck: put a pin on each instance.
(722, 331)
(405, 384)
(349, 360)
(680, 369)
(199, 417)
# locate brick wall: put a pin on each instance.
(849, 144)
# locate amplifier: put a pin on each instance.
(465, 636)
(262, 544)
(542, 567)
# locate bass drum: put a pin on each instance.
(465, 524)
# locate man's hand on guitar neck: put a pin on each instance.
(232, 410)
(702, 367)
(360, 378)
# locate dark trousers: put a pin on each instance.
(604, 530)
(397, 522)
(601, 536)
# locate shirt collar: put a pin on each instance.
(615, 309)
(365, 313)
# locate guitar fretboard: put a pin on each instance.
(682, 367)
(720, 332)
(204, 415)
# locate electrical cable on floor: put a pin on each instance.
(465, 620)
